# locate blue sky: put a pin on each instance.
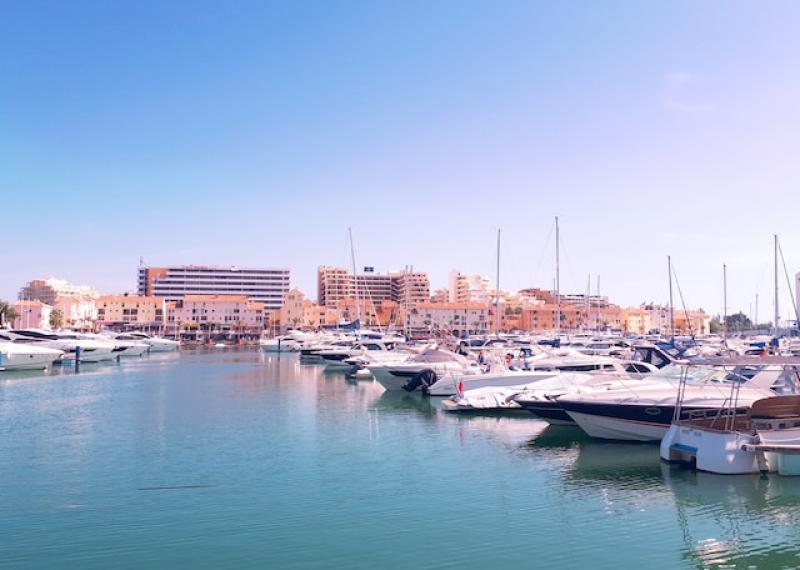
(256, 133)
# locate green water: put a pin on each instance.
(239, 460)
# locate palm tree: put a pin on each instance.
(56, 319)
(7, 313)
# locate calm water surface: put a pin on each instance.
(234, 459)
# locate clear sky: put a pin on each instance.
(256, 133)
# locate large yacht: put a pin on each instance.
(16, 355)
(156, 343)
(645, 414)
(74, 347)
(431, 362)
(126, 344)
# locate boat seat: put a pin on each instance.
(776, 407)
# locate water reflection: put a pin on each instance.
(405, 402)
(725, 520)
(736, 520)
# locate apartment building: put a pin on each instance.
(217, 311)
(32, 314)
(405, 287)
(138, 310)
(453, 318)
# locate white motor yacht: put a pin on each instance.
(74, 347)
(283, 343)
(431, 362)
(448, 384)
(25, 356)
(156, 343)
(740, 438)
(340, 358)
(503, 399)
(126, 344)
(542, 399)
(645, 413)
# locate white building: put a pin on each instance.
(469, 288)
(261, 285)
(76, 303)
(455, 318)
(48, 290)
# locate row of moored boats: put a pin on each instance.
(723, 407)
(34, 349)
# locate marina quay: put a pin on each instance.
(438, 285)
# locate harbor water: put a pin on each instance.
(236, 459)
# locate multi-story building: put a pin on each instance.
(405, 287)
(583, 300)
(451, 318)
(74, 303)
(261, 285)
(292, 313)
(49, 290)
(469, 288)
(217, 311)
(32, 314)
(543, 317)
(138, 310)
(440, 296)
(685, 322)
(636, 320)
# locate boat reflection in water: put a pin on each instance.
(736, 521)
(412, 402)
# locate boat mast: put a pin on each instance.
(586, 304)
(671, 307)
(725, 301)
(558, 285)
(777, 313)
(755, 316)
(355, 276)
(497, 289)
(598, 302)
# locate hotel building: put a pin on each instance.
(261, 285)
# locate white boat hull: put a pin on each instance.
(605, 427)
(448, 385)
(27, 361)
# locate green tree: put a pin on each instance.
(56, 319)
(7, 313)
(738, 322)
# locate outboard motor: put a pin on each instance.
(424, 379)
